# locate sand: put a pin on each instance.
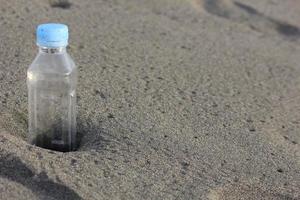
(177, 99)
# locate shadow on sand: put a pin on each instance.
(14, 169)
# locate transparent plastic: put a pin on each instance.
(51, 81)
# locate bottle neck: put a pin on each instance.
(52, 50)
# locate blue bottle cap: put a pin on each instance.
(52, 35)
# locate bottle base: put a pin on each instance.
(48, 143)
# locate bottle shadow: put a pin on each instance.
(90, 136)
(12, 168)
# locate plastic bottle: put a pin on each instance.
(51, 81)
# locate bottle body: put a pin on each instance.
(51, 81)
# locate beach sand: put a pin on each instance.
(177, 99)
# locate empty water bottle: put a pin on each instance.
(51, 81)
